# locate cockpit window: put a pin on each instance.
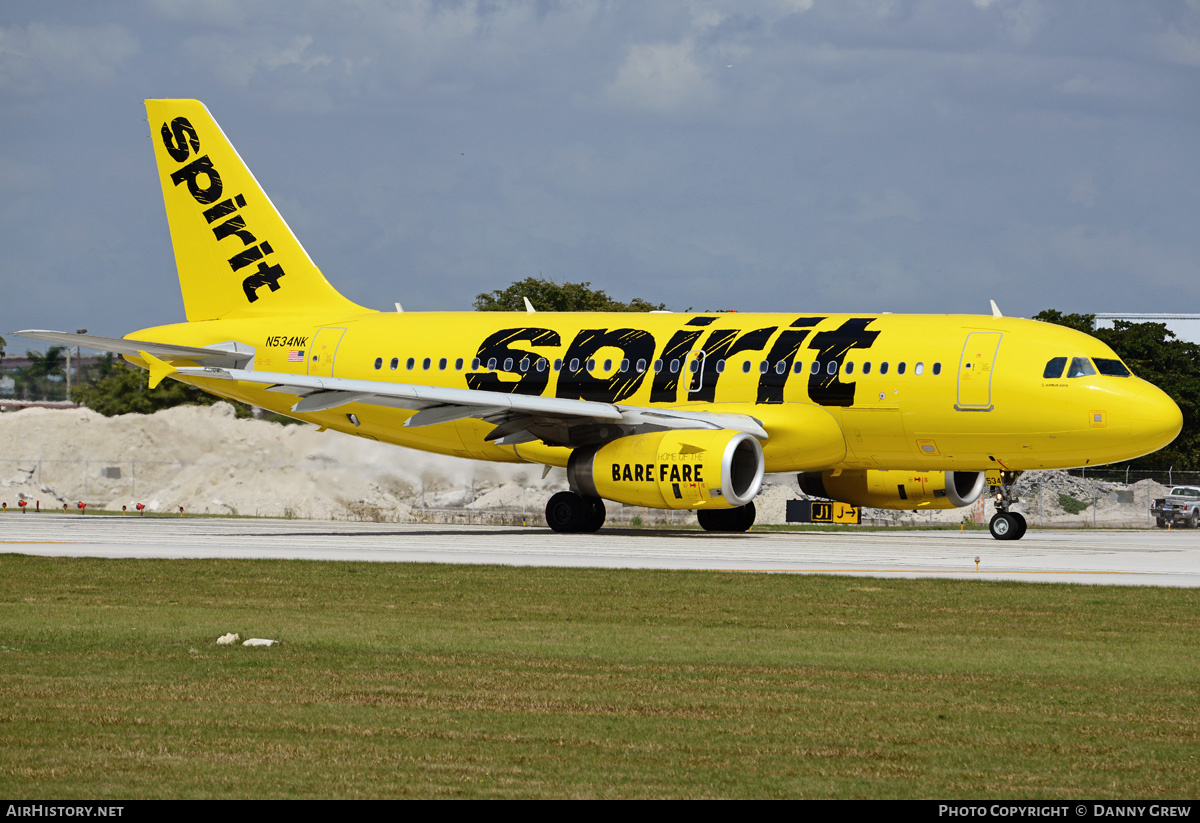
(1054, 368)
(1080, 367)
(1114, 368)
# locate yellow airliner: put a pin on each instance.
(674, 411)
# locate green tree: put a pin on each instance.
(122, 389)
(1154, 353)
(34, 382)
(546, 295)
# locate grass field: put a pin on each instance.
(398, 680)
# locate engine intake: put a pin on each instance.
(679, 469)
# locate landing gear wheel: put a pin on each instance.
(1007, 526)
(567, 513)
(597, 514)
(727, 520)
(571, 513)
(1021, 525)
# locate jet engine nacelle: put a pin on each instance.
(896, 489)
(680, 469)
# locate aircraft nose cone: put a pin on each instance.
(1155, 418)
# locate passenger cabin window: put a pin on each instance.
(525, 364)
(395, 363)
(591, 365)
(658, 366)
(937, 369)
(508, 363)
(832, 367)
(426, 363)
(720, 367)
(781, 367)
(541, 364)
(746, 367)
(558, 364)
(1054, 368)
(763, 366)
(867, 367)
(1080, 367)
(1113, 368)
(379, 363)
(442, 364)
(474, 364)
(607, 365)
(411, 364)
(919, 368)
(574, 364)
(458, 364)
(641, 366)
(798, 368)
(849, 368)
(816, 367)
(492, 363)
(624, 366)
(900, 368)
(883, 367)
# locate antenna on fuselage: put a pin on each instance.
(398, 307)
(995, 309)
(528, 306)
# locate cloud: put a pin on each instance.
(1082, 190)
(660, 77)
(40, 55)
(1176, 47)
(885, 206)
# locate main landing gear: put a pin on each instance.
(1005, 524)
(727, 520)
(571, 513)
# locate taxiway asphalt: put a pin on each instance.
(1149, 558)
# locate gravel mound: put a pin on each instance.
(206, 460)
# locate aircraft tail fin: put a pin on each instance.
(235, 254)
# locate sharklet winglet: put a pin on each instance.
(159, 369)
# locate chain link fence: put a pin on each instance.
(1100, 497)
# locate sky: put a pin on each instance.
(758, 155)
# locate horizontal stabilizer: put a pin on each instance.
(235, 354)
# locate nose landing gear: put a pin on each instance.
(1005, 524)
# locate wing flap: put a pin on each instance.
(517, 417)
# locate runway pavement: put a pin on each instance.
(1147, 558)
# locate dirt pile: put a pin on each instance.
(207, 461)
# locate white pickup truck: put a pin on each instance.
(1181, 507)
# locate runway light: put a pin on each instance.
(22, 504)
(977, 564)
(141, 507)
(122, 510)
(82, 507)
(181, 511)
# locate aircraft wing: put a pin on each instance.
(518, 418)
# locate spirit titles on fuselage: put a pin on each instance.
(577, 382)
